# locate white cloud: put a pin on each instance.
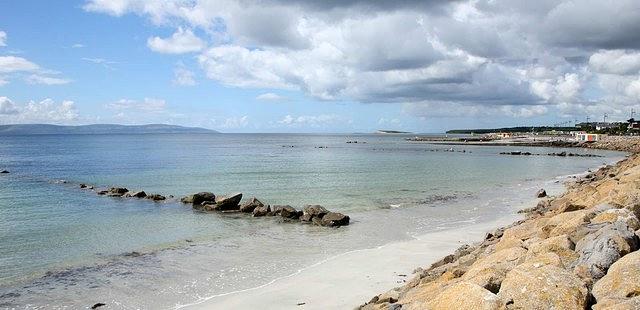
(3, 38)
(182, 41)
(235, 122)
(7, 107)
(182, 76)
(9, 64)
(146, 105)
(615, 62)
(46, 80)
(271, 97)
(101, 61)
(77, 45)
(311, 120)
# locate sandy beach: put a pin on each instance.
(345, 281)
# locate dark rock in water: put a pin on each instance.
(82, 185)
(231, 202)
(541, 193)
(261, 211)
(200, 198)
(316, 221)
(290, 212)
(306, 217)
(102, 192)
(4, 171)
(98, 305)
(117, 191)
(140, 194)
(335, 219)
(155, 197)
(250, 205)
(315, 210)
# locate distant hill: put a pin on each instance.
(511, 129)
(97, 129)
(392, 132)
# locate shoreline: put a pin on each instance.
(575, 251)
(337, 283)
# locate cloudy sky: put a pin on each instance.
(319, 66)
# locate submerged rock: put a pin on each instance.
(250, 205)
(311, 211)
(82, 185)
(200, 198)
(290, 212)
(155, 197)
(117, 191)
(334, 219)
(261, 211)
(4, 171)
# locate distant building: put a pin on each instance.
(587, 137)
(501, 135)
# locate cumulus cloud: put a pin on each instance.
(311, 120)
(45, 111)
(182, 41)
(9, 64)
(7, 107)
(183, 76)
(484, 57)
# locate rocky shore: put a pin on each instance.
(575, 251)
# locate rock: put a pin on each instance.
(140, 194)
(226, 203)
(117, 191)
(4, 171)
(98, 305)
(82, 185)
(250, 205)
(612, 215)
(560, 245)
(632, 303)
(464, 295)
(261, 211)
(155, 197)
(102, 192)
(200, 198)
(537, 286)
(570, 207)
(489, 271)
(334, 219)
(541, 193)
(276, 209)
(311, 211)
(290, 212)
(601, 249)
(621, 282)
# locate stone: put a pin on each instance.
(464, 295)
(226, 203)
(82, 185)
(489, 271)
(612, 215)
(538, 286)
(632, 303)
(290, 212)
(117, 191)
(311, 211)
(4, 171)
(102, 192)
(261, 211)
(155, 197)
(601, 249)
(334, 219)
(250, 205)
(200, 198)
(541, 193)
(622, 280)
(140, 194)
(560, 245)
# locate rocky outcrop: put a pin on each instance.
(139, 194)
(200, 198)
(228, 203)
(261, 211)
(309, 212)
(335, 219)
(541, 193)
(575, 251)
(288, 212)
(4, 171)
(155, 197)
(250, 205)
(117, 191)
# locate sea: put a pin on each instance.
(62, 247)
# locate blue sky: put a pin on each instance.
(298, 66)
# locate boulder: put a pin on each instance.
(539, 286)
(227, 203)
(200, 198)
(4, 171)
(489, 271)
(621, 282)
(334, 219)
(261, 211)
(82, 185)
(140, 194)
(155, 197)
(560, 245)
(250, 205)
(612, 215)
(117, 191)
(276, 209)
(290, 212)
(102, 192)
(541, 193)
(601, 249)
(311, 211)
(464, 295)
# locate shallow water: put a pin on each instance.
(62, 246)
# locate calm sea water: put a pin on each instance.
(64, 247)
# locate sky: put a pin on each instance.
(319, 66)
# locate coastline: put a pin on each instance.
(344, 281)
(574, 251)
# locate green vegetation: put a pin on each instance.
(511, 129)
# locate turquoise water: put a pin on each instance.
(62, 246)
